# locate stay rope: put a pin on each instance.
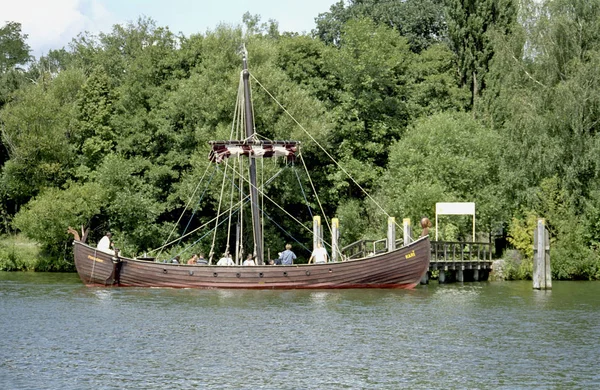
(312, 185)
(322, 148)
(238, 117)
(275, 203)
(194, 231)
(303, 194)
(184, 210)
(199, 201)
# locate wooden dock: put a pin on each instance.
(450, 261)
(459, 261)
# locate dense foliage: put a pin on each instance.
(419, 101)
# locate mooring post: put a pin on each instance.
(316, 231)
(442, 276)
(406, 231)
(391, 234)
(542, 275)
(335, 232)
(460, 274)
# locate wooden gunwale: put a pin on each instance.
(401, 268)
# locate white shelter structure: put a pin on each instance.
(454, 208)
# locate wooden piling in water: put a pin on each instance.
(406, 231)
(316, 231)
(391, 234)
(542, 275)
(335, 231)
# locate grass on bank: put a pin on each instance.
(18, 253)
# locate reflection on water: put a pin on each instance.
(58, 333)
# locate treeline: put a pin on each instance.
(422, 101)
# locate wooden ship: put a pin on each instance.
(394, 268)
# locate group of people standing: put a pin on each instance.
(287, 257)
(198, 259)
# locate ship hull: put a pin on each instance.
(401, 268)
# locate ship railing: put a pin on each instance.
(364, 248)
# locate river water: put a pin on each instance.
(58, 334)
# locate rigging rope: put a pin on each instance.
(316, 196)
(275, 203)
(195, 230)
(199, 201)
(238, 113)
(304, 194)
(207, 233)
(212, 247)
(262, 204)
(186, 206)
(287, 233)
(230, 210)
(322, 148)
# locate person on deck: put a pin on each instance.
(201, 260)
(106, 245)
(225, 260)
(175, 260)
(319, 255)
(249, 260)
(193, 260)
(287, 257)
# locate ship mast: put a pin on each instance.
(249, 125)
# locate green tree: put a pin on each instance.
(420, 21)
(470, 24)
(94, 135)
(13, 51)
(13, 47)
(46, 218)
(435, 87)
(447, 157)
(35, 133)
(369, 106)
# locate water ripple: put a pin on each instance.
(60, 334)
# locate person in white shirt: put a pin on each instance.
(249, 260)
(106, 245)
(319, 255)
(225, 260)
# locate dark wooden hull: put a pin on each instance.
(402, 268)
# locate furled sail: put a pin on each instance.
(221, 150)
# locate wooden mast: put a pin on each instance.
(249, 124)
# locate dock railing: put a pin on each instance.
(364, 248)
(441, 251)
(448, 251)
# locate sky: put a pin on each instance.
(52, 24)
